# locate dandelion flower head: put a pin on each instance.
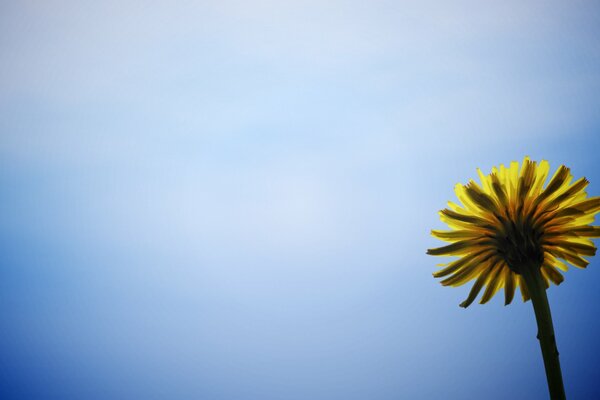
(511, 221)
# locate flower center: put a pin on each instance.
(520, 244)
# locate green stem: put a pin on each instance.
(537, 292)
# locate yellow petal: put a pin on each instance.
(513, 178)
(481, 279)
(541, 174)
(467, 273)
(523, 286)
(486, 182)
(494, 283)
(458, 265)
(452, 236)
(509, 286)
(551, 260)
(549, 272)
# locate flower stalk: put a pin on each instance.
(537, 291)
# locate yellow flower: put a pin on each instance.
(512, 222)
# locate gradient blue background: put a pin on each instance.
(233, 199)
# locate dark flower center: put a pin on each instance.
(519, 243)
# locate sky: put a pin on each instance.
(233, 199)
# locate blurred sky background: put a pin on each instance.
(233, 199)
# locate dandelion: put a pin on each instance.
(512, 232)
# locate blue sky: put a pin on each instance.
(232, 200)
